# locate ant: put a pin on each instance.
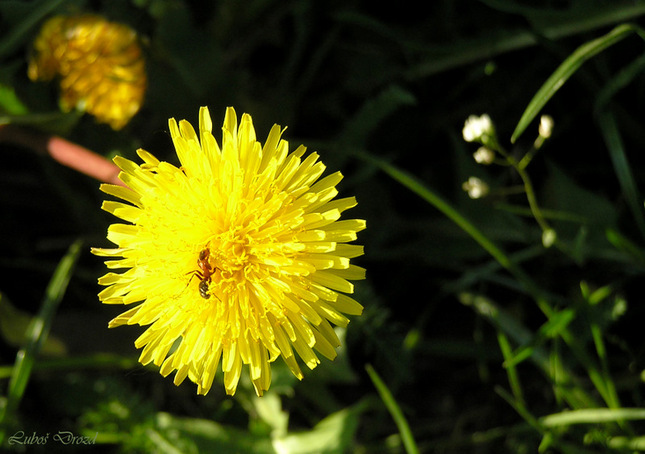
(204, 273)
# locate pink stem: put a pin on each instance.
(65, 152)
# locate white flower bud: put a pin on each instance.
(548, 238)
(546, 126)
(484, 156)
(475, 188)
(477, 127)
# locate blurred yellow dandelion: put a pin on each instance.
(100, 65)
(238, 256)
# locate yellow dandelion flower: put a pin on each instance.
(237, 257)
(99, 63)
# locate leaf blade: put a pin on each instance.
(566, 69)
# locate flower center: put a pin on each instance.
(232, 262)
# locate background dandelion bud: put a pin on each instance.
(100, 66)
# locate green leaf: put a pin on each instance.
(566, 70)
(269, 410)
(589, 215)
(332, 435)
(10, 103)
(173, 434)
(581, 205)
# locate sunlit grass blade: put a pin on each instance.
(394, 409)
(566, 70)
(592, 416)
(38, 330)
(611, 135)
(626, 444)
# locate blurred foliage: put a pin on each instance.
(483, 339)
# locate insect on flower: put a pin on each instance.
(204, 273)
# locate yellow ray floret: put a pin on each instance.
(236, 258)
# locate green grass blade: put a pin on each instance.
(439, 203)
(592, 416)
(511, 371)
(623, 244)
(566, 70)
(611, 394)
(627, 443)
(94, 361)
(568, 385)
(552, 328)
(38, 331)
(624, 77)
(18, 34)
(394, 409)
(611, 135)
(551, 27)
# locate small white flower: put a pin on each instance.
(477, 127)
(475, 188)
(484, 156)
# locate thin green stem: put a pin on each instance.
(528, 157)
(611, 396)
(532, 199)
(394, 409)
(511, 370)
(520, 168)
